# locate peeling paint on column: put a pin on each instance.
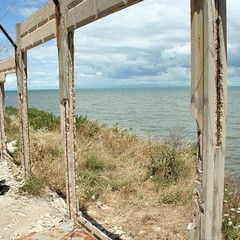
(21, 70)
(209, 91)
(67, 106)
(219, 87)
(2, 121)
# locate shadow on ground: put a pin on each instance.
(3, 187)
(100, 227)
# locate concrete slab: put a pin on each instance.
(63, 232)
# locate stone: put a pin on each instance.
(11, 146)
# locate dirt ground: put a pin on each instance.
(20, 214)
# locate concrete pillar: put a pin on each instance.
(209, 103)
(67, 107)
(2, 118)
(21, 70)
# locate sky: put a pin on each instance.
(145, 45)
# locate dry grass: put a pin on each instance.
(146, 186)
(47, 159)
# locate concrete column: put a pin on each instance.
(2, 118)
(67, 107)
(209, 102)
(21, 70)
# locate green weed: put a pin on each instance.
(90, 177)
(43, 120)
(231, 212)
(167, 163)
(81, 121)
(11, 111)
(38, 119)
(93, 163)
(34, 185)
(12, 125)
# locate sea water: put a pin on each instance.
(147, 112)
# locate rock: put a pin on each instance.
(99, 204)
(118, 232)
(93, 197)
(11, 146)
(105, 207)
(62, 203)
(102, 206)
(21, 214)
(52, 196)
(142, 232)
(157, 229)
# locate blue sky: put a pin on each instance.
(147, 44)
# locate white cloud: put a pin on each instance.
(148, 43)
(11, 80)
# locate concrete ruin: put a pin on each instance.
(209, 95)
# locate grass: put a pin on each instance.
(12, 125)
(231, 211)
(34, 185)
(146, 184)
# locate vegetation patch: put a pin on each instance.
(34, 185)
(167, 165)
(231, 211)
(91, 177)
(169, 159)
(42, 120)
(12, 125)
(137, 178)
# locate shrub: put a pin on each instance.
(167, 163)
(90, 176)
(34, 185)
(40, 119)
(11, 111)
(81, 121)
(92, 163)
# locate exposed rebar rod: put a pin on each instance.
(7, 36)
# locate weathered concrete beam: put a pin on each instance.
(44, 15)
(40, 27)
(209, 102)
(7, 66)
(67, 108)
(41, 35)
(91, 10)
(21, 69)
(2, 119)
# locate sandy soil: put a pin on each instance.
(20, 214)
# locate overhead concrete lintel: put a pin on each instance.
(41, 26)
(2, 77)
(92, 10)
(7, 66)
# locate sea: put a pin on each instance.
(146, 112)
